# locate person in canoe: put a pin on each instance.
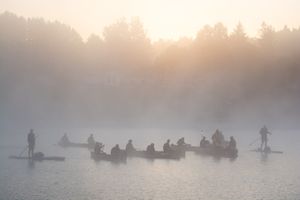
(31, 143)
(91, 140)
(167, 147)
(217, 138)
(264, 137)
(64, 140)
(99, 148)
(204, 142)
(232, 143)
(150, 149)
(129, 147)
(115, 151)
(181, 142)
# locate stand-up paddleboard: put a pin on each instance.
(38, 157)
(259, 150)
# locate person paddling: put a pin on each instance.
(150, 149)
(204, 142)
(181, 142)
(264, 137)
(65, 140)
(129, 147)
(115, 151)
(91, 140)
(166, 147)
(232, 143)
(31, 143)
(99, 148)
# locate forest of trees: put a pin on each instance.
(50, 76)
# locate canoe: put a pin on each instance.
(156, 155)
(179, 149)
(53, 158)
(107, 157)
(191, 148)
(266, 152)
(216, 151)
(76, 145)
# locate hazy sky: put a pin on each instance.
(161, 18)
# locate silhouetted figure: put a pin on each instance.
(31, 143)
(91, 140)
(217, 138)
(99, 148)
(167, 147)
(232, 143)
(264, 137)
(181, 142)
(204, 142)
(64, 140)
(115, 151)
(150, 149)
(129, 147)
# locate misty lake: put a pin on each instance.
(250, 176)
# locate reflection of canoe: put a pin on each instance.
(211, 150)
(269, 151)
(107, 157)
(156, 155)
(54, 158)
(76, 145)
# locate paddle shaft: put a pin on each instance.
(254, 141)
(23, 151)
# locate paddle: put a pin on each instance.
(23, 151)
(27, 147)
(254, 141)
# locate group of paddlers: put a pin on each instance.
(218, 141)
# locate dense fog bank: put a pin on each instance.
(50, 77)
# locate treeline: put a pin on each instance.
(50, 76)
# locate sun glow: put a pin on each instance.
(169, 19)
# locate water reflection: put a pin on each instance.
(31, 164)
(264, 157)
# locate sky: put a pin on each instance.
(166, 19)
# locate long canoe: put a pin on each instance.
(76, 145)
(157, 155)
(211, 150)
(54, 158)
(107, 157)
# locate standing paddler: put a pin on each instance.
(31, 143)
(264, 137)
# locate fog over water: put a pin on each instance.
(121, 85)
(51, 78)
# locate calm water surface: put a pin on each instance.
(250, 176)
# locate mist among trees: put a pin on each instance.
(51, 77)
